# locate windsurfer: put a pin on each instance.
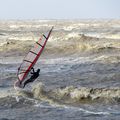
(30, 60)
(33, 76)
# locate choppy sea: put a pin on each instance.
(80, 70)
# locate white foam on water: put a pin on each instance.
(70, 108)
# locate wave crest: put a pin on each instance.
(75, 95)
(63, 46)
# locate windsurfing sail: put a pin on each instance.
(32, 56)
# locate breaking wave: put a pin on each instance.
(20, 102)
(70, 44)
(73, 96)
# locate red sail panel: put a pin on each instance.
(32, 57)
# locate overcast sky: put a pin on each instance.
(59, 9)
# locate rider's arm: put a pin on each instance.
(32, 72)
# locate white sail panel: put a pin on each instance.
(32, 57)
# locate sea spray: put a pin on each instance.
(39, 91)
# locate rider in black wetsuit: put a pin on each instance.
(33, 77)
